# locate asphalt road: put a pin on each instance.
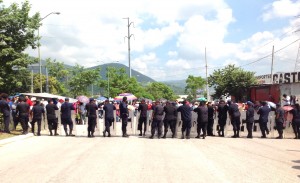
(80, 159)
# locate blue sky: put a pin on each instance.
(170, 36)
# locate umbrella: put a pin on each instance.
(287, 108)
(201, 99)
(101, 98)
(125, 94)
(131, 97)
(271, 104)
(83, 99)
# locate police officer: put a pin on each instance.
(250, 119)
(124, 116)
(5, 110)
(296, 121)
(143, 108)
(222, 117)
(210, 124)
(23, 113)
(109, 117)
(186, 117)
(170, 119)
(235, 115)
(279, 119)
(157, 117)
(91, 109)
(263, 118)
(51, 117)
(36, 114)
(66, 119)
(202, 119)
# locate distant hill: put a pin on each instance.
(178, 86)
(139, 76)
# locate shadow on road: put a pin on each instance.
(296, 167)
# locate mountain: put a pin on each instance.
(178, 86)
(139, 76)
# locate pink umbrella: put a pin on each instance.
(83, 99)
(130, 97)
(125, 94)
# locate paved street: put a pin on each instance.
(116, 159)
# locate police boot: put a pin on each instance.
(182, 136)
(55, 132)
(234, 136)
(198, 136)
(140, 133)
(144, 134)
(237, 134)
(152, 136)
(32, 128)
(89, 134)
(92, 134)
(296, 136)
(173, 135)
(165, 135)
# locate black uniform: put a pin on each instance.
(222, 118)
(157, 123)
(235, 119)
(66, 119)
(23, 114)
(109, 117)
(263, 120)
(210, 124)
(296, 122)
(250, 120)
(91, 109)
(279, 121)
(143, 108)
(202, 120)
(186, 117)
(51, 118)
(124, 116)
(170, 119)
(37, 112)
(5, 110)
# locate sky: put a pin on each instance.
(169, 37)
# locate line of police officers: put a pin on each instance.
(205, 119)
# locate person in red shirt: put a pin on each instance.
(28, 101)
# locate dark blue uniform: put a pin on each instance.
(5, 110)
(157, 123)
(296, 122)
(279, 120)
(22, 111)
(66, 119)
(250, 120)
(186, 117)
(109, 117)
(222, 118)
(51, 118)
(143, 108)
(170, 119)
(263, 119)
(235, 116)
(124, 116)
(91, 109)
(37, 112)
(202, 120)
(210, 124)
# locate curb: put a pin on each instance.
(16, 138)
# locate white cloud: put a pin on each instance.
(281, 9)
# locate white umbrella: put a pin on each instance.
(271, 104)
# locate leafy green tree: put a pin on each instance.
(55, 86)
(231, 81)
(16, 34)
(193, 84)
(57, 69)
(80, 79)
(160, 90)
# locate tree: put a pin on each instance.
(57, 69)
(16, 34)
(231, 81)
(81, 79)
(193, 84)
(160, 90)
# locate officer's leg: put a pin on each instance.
(249, 129)
(238, 125)
(140, 125)
(188, 129)
(50, 126)
(198, 130)
(145, 125)
(204, 129)
(173, 127)
(39, 123)
(183, 128)
(234, 126)
(89, 129)
(33, 125)
(6, 124)
(295, 129)
(93, 126)
(153, 128)
(262, 129)
(159, 126)
(165, 128)
(54, 125)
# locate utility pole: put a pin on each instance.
(207, 89)
(272, 65)
(128, 37)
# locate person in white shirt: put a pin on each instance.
(285, 100)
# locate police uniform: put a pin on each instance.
(23, 115)
(143, 108)
(263, 119)
(202, 120)
(51, 118)
(250, 120)
(279, 119)
(170, 119)
(186, 117)
(109, 117)
(66, 119)
(235, 119)
(37, 112)
(124, 116)
(91, 109)
(158, 112)
(222, 118)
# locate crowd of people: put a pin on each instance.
(22, 109)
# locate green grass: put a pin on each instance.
(13, 133)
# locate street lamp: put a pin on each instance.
(39, 52)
